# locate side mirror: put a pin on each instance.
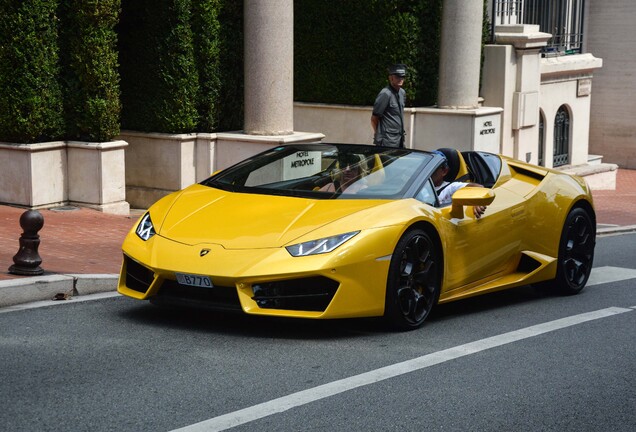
(470, 196)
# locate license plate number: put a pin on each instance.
(194, 280)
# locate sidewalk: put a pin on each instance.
(81, 248)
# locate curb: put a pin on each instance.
(50, 287)
(615, 230)
(65, 286)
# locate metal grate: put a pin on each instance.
(563, 19)
(508, 11)
(307, 294)
(561, 137)
(541, 161)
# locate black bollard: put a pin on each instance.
(27, 260)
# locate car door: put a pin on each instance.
(479, 250)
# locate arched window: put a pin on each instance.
(561, 137)
(541, 139)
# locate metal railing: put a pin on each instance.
(561, 18)
(507, 11)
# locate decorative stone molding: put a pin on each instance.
(157, 164)
(33, 175)
(566, 68)
(51, 174)
(96, 176)
(521, 36)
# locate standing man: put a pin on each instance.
(387, 119)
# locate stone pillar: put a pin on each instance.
(269, 67)
(460, 57)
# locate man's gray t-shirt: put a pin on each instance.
(389, 107)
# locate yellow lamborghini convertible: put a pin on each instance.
(334, 231)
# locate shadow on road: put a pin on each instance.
(200, 320)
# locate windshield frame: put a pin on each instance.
(412, 166)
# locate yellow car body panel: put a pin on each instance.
(238, 240)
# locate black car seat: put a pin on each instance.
(458, 170)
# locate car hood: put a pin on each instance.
(201, 215)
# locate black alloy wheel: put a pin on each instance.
(413, 282)
(576, 252)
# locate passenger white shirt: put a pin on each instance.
(445, 197)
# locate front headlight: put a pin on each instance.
(319, 246)
(145, 230)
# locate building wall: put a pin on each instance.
(611, 35)
(553, 96)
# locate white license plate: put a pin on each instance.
(194, 280)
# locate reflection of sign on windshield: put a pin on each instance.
(305, 159)
(301, 164)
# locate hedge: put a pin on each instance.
(342, 53)
(90, 68)
(206, 30)
(231, 92)
(159, 76)
(181, 65)
(30, 93)
(343, 56)
(181, 62)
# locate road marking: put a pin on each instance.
(601, 275)
(304, 397)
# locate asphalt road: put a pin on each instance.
(516, 360)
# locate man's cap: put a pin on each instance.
(398, 69)
(439, 153)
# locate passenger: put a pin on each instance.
(349, 177)
(446, 189)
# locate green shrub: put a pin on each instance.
(231, 94)
(342, 56)
(341, 53)
(182, 61)
(30, 94)
(429, 13)
(90, 69)
(159, 75)
(206, 30)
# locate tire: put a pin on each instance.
(576, 253)
(413, 283)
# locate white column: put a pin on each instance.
(269, 67)
(460, 54)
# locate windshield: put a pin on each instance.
(325, 171)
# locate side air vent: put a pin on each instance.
(537, 174)
(138, 277)
(527, 264)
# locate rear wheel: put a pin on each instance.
(576, 252)
(413, 282)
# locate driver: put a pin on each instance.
(445, 190)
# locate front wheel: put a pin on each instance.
(413, 282)
(576, 252)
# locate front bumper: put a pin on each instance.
(349, 282)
